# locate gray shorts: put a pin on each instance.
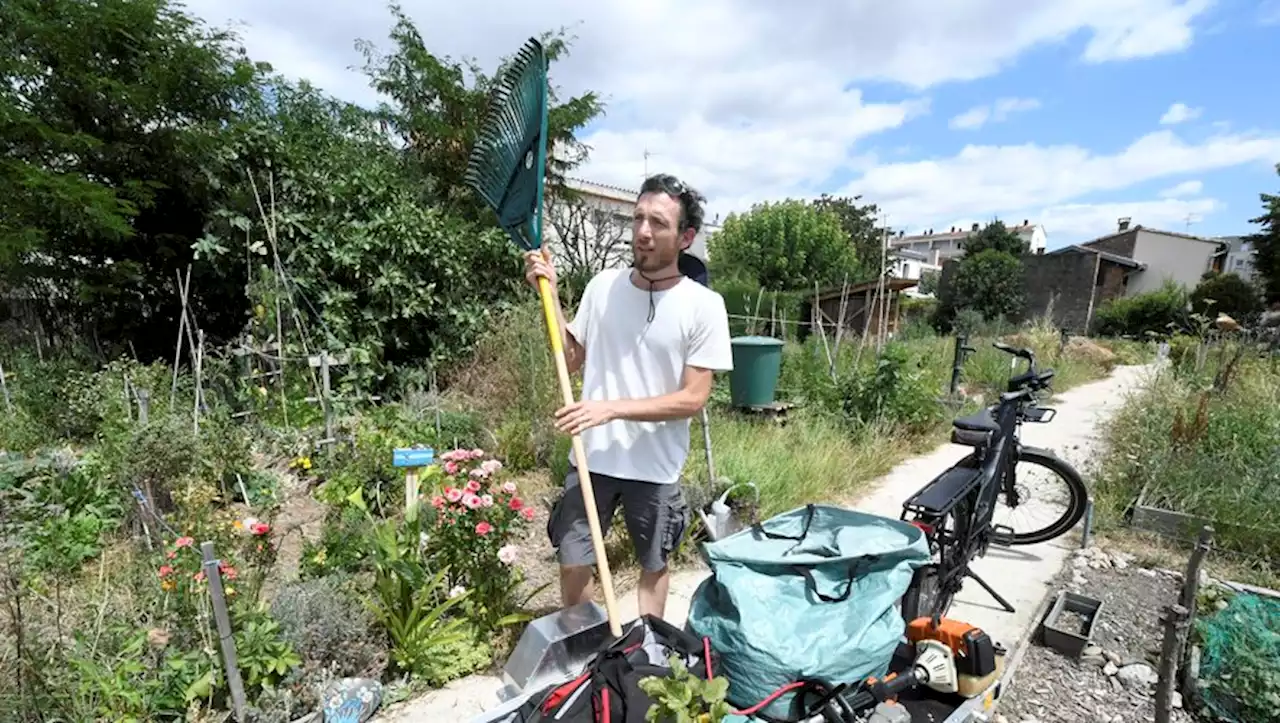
(656, 515)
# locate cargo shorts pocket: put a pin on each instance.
(678, 515)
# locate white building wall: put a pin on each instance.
(1184, 260)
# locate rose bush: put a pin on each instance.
(477, 516)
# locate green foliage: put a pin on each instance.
(105, 185)
(995, 236)
(989, 282)
(859, 224)
(1226, 294)
(685, 698)
(897, 389)
(1153, 314)
(789, 245)
(139, 681)
(264, 655)
(410, 602)
(57, 509)
(324, 621)
(1266, 244)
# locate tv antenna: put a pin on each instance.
(647, 153)
(1190, 219)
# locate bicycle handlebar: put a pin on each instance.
(1027, 354)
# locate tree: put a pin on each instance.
(438, 104)
(1226, 294)
(111, 119)
(589, 235)
(990, 282)
(1266, 244)
(995, 236)
(783, 246)
(859, 224)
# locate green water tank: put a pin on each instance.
(757, 361)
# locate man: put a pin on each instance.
(648, 341)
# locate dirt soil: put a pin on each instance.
(1113, 681)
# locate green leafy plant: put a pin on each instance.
(265, 656)
(685, 698)
(411, 603)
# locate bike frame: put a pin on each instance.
(955, 510)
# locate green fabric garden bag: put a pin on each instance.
(809, 594)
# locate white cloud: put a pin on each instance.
(998, 112)
(1269, 12)
(1179, 113)
(1182, 190)
(1033, 181)
(746, 99)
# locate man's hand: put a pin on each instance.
(581, 416)
(538, 263)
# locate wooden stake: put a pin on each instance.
(8, 403)
(1174, 620)
(225, 637)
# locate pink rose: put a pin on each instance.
(477, 453)
(527, 513)
(471, 501)
(509, 487)
(437, 502)
(473, 486)
(479, 472)
(483, 528)
(183, 541)
(486, 500)
(515, 503)
(508, 554)
(453, 494)
(490, 466)
(450, 467)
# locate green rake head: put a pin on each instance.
(510, 155)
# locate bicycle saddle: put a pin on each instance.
(980, 422)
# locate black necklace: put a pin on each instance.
(652, 307)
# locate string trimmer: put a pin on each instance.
(507, 168)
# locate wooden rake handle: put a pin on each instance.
(580, 459)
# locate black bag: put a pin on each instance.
(608, 691)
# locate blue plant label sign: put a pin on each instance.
(413, 457)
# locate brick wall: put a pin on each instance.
(1065, 282)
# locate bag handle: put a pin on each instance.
(807, 572)
(808, 521)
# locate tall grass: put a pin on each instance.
(1203, 443)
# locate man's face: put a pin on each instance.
(656, 241)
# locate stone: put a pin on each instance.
(1079, 579)
(1176, 700)
(352, 700)
(1147, 572)
(1112, 657)
(1120, 563)
(1220, 605)
(1137, 676)
(995, 718)
(1110, 669)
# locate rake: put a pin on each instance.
(507, 168)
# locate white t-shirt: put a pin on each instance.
(628, 357)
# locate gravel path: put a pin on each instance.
(1112, 681)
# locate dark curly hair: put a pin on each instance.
(691, 213)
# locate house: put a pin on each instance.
(912, 265)
(1071, 283)
(1237, 253)
(1164, 255)
(938, 247)
(598, 223)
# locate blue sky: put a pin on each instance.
(943, 113)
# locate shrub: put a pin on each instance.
(1227, 294)
(326, 623)
(476, 516)
(1158, 313)
(897, 390)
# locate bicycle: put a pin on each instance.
(957, 508)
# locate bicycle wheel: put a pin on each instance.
(1070, 493)
(925, 595)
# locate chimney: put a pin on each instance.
(1026, 222)
(975, 227)
(1124, 223)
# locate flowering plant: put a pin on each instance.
(476, 516)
